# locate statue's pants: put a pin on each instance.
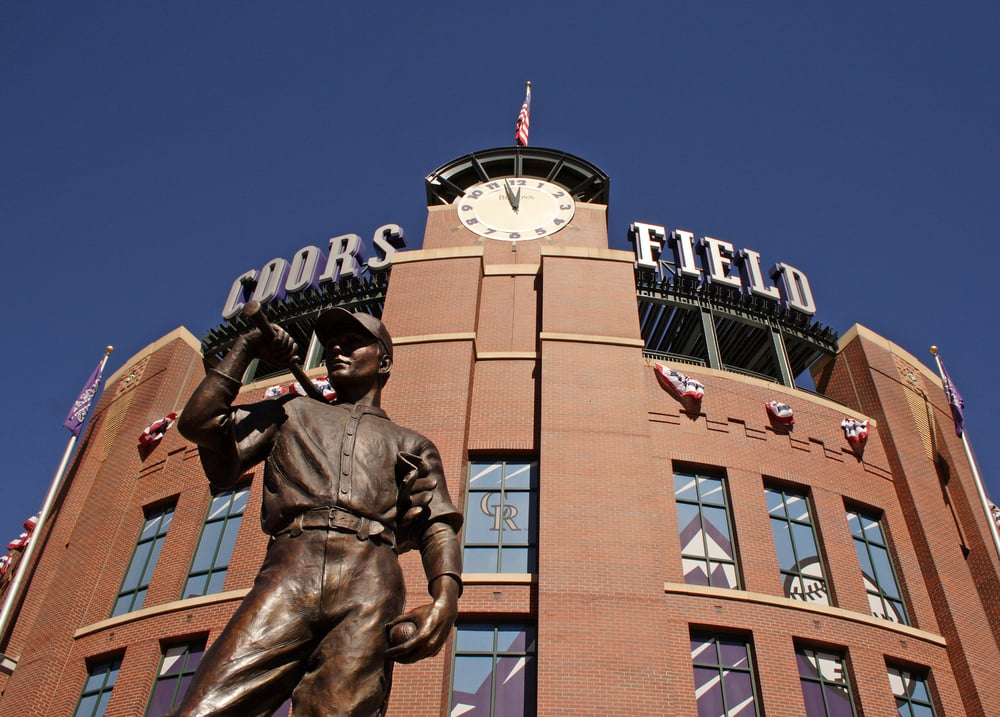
(312, 627)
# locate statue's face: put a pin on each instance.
(354, 359)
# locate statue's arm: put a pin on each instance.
(442, 559)
(441, 554)
(231, 440)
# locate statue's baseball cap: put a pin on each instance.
(336, 321)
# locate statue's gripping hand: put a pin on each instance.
(433, 623)
(416, 489)
(278, 350)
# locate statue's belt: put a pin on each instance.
(341, 520)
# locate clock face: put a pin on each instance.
(515, 208)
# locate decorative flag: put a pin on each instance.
(78, 414)
(855, 431)
(275, 391)
(321, 382)
(781, 412)
(154, 432)
(5, 562)
(954, 400)
(679, 384)
(995, 512)
(21, 541)
(523, 120)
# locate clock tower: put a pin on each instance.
(517, 338)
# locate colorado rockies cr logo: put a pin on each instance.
(502, 513)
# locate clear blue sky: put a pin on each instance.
(151, 152)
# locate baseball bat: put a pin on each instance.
(252, 311)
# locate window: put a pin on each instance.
(724, 680)
(215, 547)
(176, 668)
(101, 678)
(877, 571)
(500, 518)
(147, 551)
(913, 699)
(824, 683)
(494, 671)
(795, 542)
(707, 550)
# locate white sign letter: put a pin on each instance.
(647, 239)
(794, 288)
(346, 256)
(717, 257)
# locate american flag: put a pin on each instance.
(523, 120)
(954, 401)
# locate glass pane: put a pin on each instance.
(122, 605)
(783, 544)
(87, 706)
(220, 505)
(195, 586)
(723, 575)
(520, 475)
(228, 542)
(812, 693)
(854, 523)
(805, 543)
(515, 560)
(480, 560)
(240, 501)
(206, 547)
(216, 581)
(739, 693)
(149, 528)
(510, 686)
(516, 519)
(711, 491)
(473, 680)
(695, 571)
(703, 650)
(135, 568)
(511, 639)
(838, 701)
(797, 507)
(775, 503)
(163, 696)
(708, 692)
(689, 522)
(481, 518)
(685, 487)
(475, 638)
(883, 572)
(733, 653)
(147, 575)
(485, 475)
(718, 542)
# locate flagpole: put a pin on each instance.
(984, 501)
(24, 566)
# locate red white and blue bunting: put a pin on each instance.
(678, 384)
(855, 431)
(320, 382)
(154, 432)
(780, 412)
(21, 541)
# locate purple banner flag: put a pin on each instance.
(81, 407)
(954, 400)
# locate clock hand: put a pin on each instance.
(511, 197)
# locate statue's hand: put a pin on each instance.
(279, 351)
(433, 623)
(416, 488)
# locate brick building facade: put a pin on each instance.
(628, 551)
